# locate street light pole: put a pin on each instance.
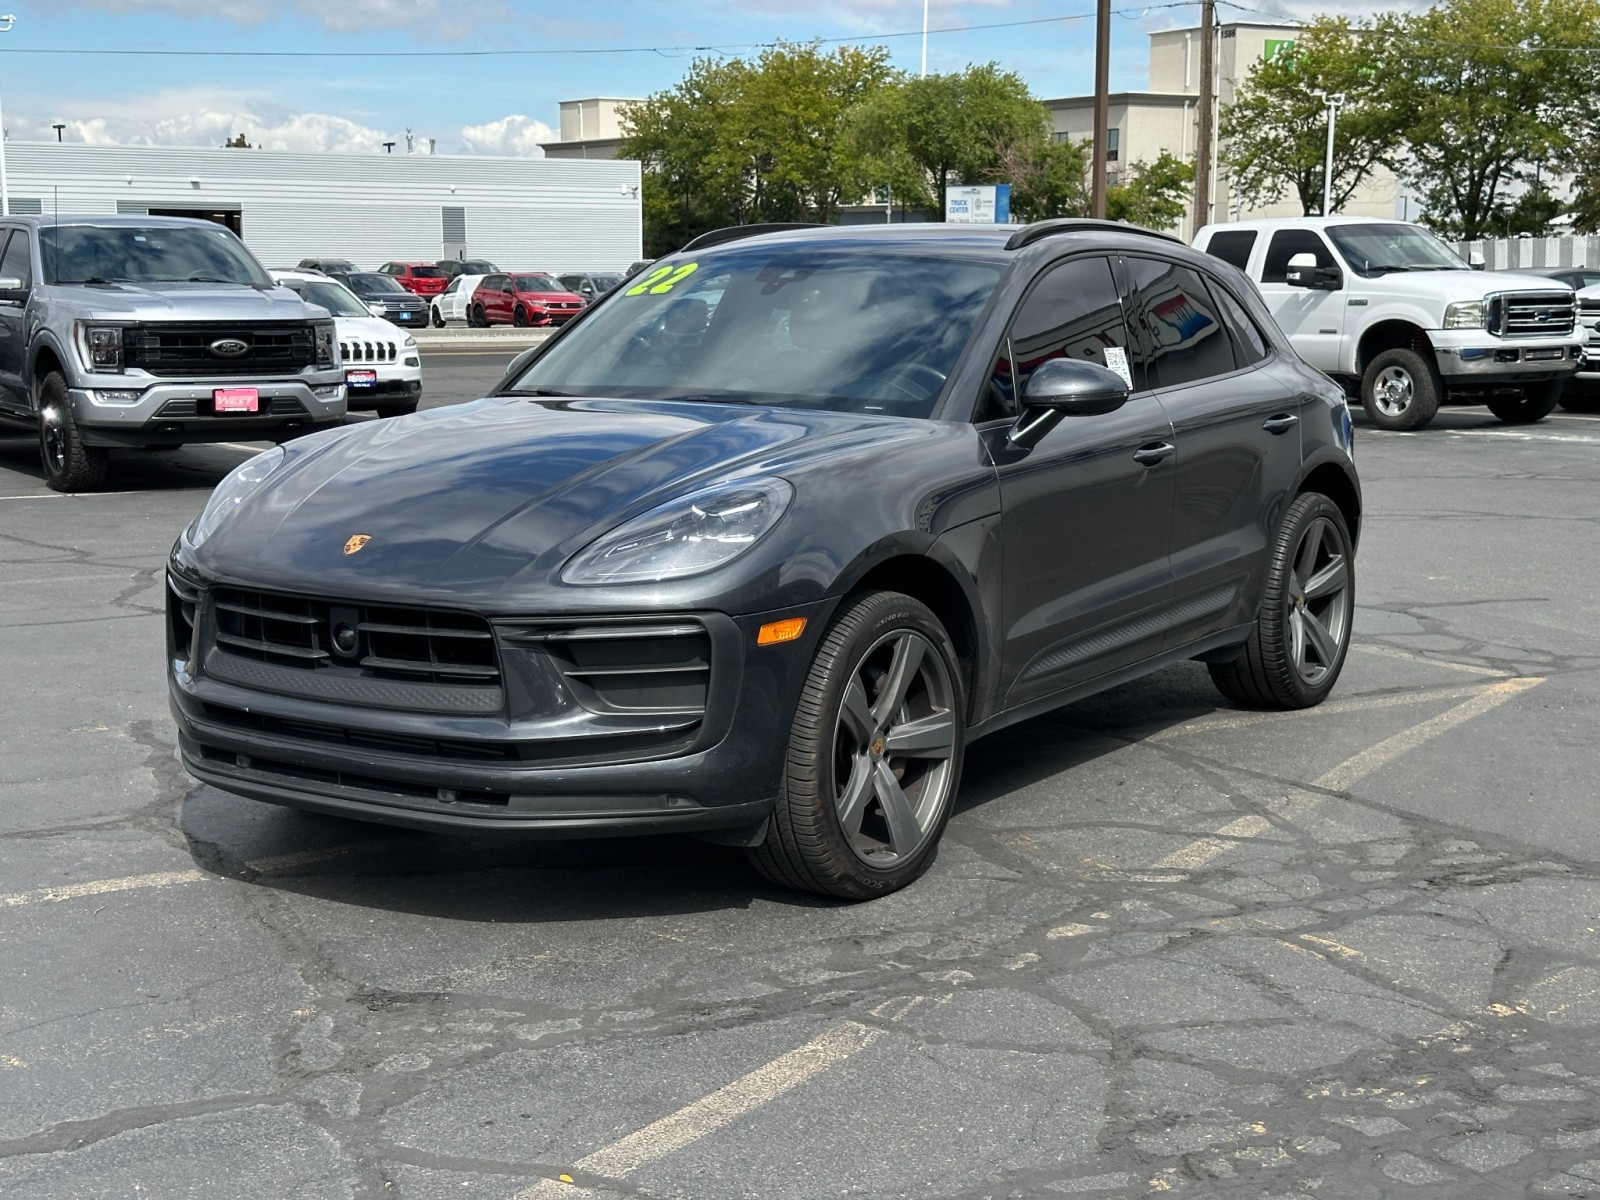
(6, 22)
(1333, 101)
(924, 37)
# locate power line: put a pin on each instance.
(665, 51)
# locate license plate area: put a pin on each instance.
(362, 378)
(229, 401)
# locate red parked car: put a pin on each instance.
(525, 298)
(424, 279)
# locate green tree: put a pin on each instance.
(1047, 178)
(237, 142)
(1488, 91)
(1155, 194)
(741, 141)
(928, 132)
(1275, 132)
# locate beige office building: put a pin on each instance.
(1166, 117)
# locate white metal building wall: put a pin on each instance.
(552, 214)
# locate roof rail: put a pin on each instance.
(1029, 234)
(734, 233)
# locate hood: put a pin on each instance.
(1450, 286)
(373, 329)
(492, 497)
(184, 302)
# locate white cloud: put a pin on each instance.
(516, 136)
(432, 19)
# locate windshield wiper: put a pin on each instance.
(1385, 267)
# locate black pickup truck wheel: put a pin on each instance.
(69, 465)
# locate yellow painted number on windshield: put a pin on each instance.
(662, 279)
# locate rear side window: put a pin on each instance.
(1233, 246)
(1248, 342)
(1180, 337)
(1285, 244)
(1073, 312)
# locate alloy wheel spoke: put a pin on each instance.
(904, 832)
(853, 800)
(855, 713)
(1306, 560)
(1297, 636)
(932, 736)
(1328, 581)
(897, 683)
(1321, 641)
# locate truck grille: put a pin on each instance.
(381, 655)
(184, 349)
(1532, 314)
(383, 352)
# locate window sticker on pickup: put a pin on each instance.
(662, 279)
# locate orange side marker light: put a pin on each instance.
(774, 632)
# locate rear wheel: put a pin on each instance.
(69, 465)
(1302, 631)
(1538, 401)
(480, 319)
(874, 755)
(1401, 389)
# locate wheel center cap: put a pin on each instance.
(878, 746)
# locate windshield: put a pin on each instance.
(538, 283)
(604, 283)
(794, 326)
(1390, 246)
(157, 254)
(335, 297)
(370, 283)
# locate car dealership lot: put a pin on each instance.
(1168, 946)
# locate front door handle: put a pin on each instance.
(1152, 453)
(1280, 422)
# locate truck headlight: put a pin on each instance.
(683, 537)
(1465, 314)
(100, 347)
(327, 351)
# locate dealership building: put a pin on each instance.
(522, 213)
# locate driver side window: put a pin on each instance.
(1073, 311)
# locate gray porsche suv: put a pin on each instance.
(759, 543)
(141, 332)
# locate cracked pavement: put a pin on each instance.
(1168, 947)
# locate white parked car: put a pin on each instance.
(382, 369)
(454, 303)
(1395, 315)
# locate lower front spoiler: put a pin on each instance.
(550, 816)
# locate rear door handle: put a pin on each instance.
(1152, 453)
(1280, 422)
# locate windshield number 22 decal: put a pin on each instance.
(662, 279)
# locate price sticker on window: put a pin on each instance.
(1117, 360)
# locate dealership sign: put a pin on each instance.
(987, 205)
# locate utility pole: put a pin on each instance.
(924, 38)
(1102, 107)
(1202, 167)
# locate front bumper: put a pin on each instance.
(177, 412)
(1469, 358)
(541, 762)
(394, 382)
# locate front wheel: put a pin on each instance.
(1538, 401)
(520, 318)
(69, 465)
(1401, 389)
(1302, 630)
(874, 755)
(436, 318)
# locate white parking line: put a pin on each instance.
(1396, 652)
(1242, 720)
(70, 495)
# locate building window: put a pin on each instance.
(1061, 135)
(1112, 139)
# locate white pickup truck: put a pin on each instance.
(1395, 315)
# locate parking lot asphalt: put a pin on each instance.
(1168, 947)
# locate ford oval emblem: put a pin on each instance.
(229, 347)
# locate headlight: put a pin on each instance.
(1467, 314)
(327, 354)
(688, 536)
(100, 347)
(410, 342)
(231, 492)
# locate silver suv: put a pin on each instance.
(148, 332)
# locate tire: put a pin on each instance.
(1579, 400)
(435, 317)
(520, 317)
(69, 465)
(1300, 641)
(401, 408)
(480, 319)
(1538, 401)
(840, 754)
(1401, 389)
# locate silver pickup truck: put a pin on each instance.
(1393, 314)
(141, 332)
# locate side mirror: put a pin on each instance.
(1475, 259)
(1065, 387)
(11, 288)
(1302, 271)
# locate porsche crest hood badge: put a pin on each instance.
(356, 542)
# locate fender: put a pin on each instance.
(1386, 310)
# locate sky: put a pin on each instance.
(347, 75)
